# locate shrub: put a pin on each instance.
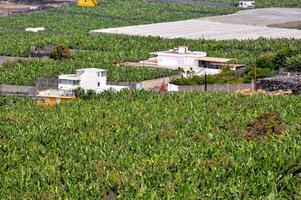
(265, 61)
(260, 73)
(281, 56)
(60, 52)
(294, 63)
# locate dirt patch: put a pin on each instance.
(287, 25)
(194, 3)
(269, 123)
(7, 9)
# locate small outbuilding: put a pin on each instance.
(247, 4)
(35, 30)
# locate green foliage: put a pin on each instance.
(275, 61)
(266, 61)
(104, 51)
(60, 52)
(260, 73)
(281, 56)
(294, 63)
(138, 143)
(226, 76)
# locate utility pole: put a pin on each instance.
(205, 81)
(255, 78)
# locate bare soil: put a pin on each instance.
(287, 25)
(269, 123)
(7, 8)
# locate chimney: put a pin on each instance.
(182, 49)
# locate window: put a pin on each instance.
(98, 74)
(66, 82)
(98, 84)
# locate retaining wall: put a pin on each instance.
(16, 90)
(216, 87)
(155, 84)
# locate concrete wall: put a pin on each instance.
(131, 85)
(15, 90)
(155, 84)
(216, 87)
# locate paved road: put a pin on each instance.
(247, 24)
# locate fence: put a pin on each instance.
(46, 83)
(216, 87)
(15, 90)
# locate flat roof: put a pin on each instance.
(171, 51)
(54, 93)
(69, 77)
(214, 59)
(92, 69)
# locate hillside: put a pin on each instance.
(138, 144)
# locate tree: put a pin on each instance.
(265, 61)
(294, 63)
(60, 52)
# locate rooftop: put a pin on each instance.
(92, 70)
(69, 77)
(54, 93)
(214, 59)
(181, 50)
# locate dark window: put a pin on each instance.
(98, 84)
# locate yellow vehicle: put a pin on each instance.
(87, 3)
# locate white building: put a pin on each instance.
(177, 57)
(246, 4)
(192, 62)
(87, 79)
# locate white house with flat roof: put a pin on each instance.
(246, 4)
(87, 79)
(177, 57)
(190, 61)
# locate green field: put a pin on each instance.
(148, 146)
(71, 26)
(144, 145)
(106, 50)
